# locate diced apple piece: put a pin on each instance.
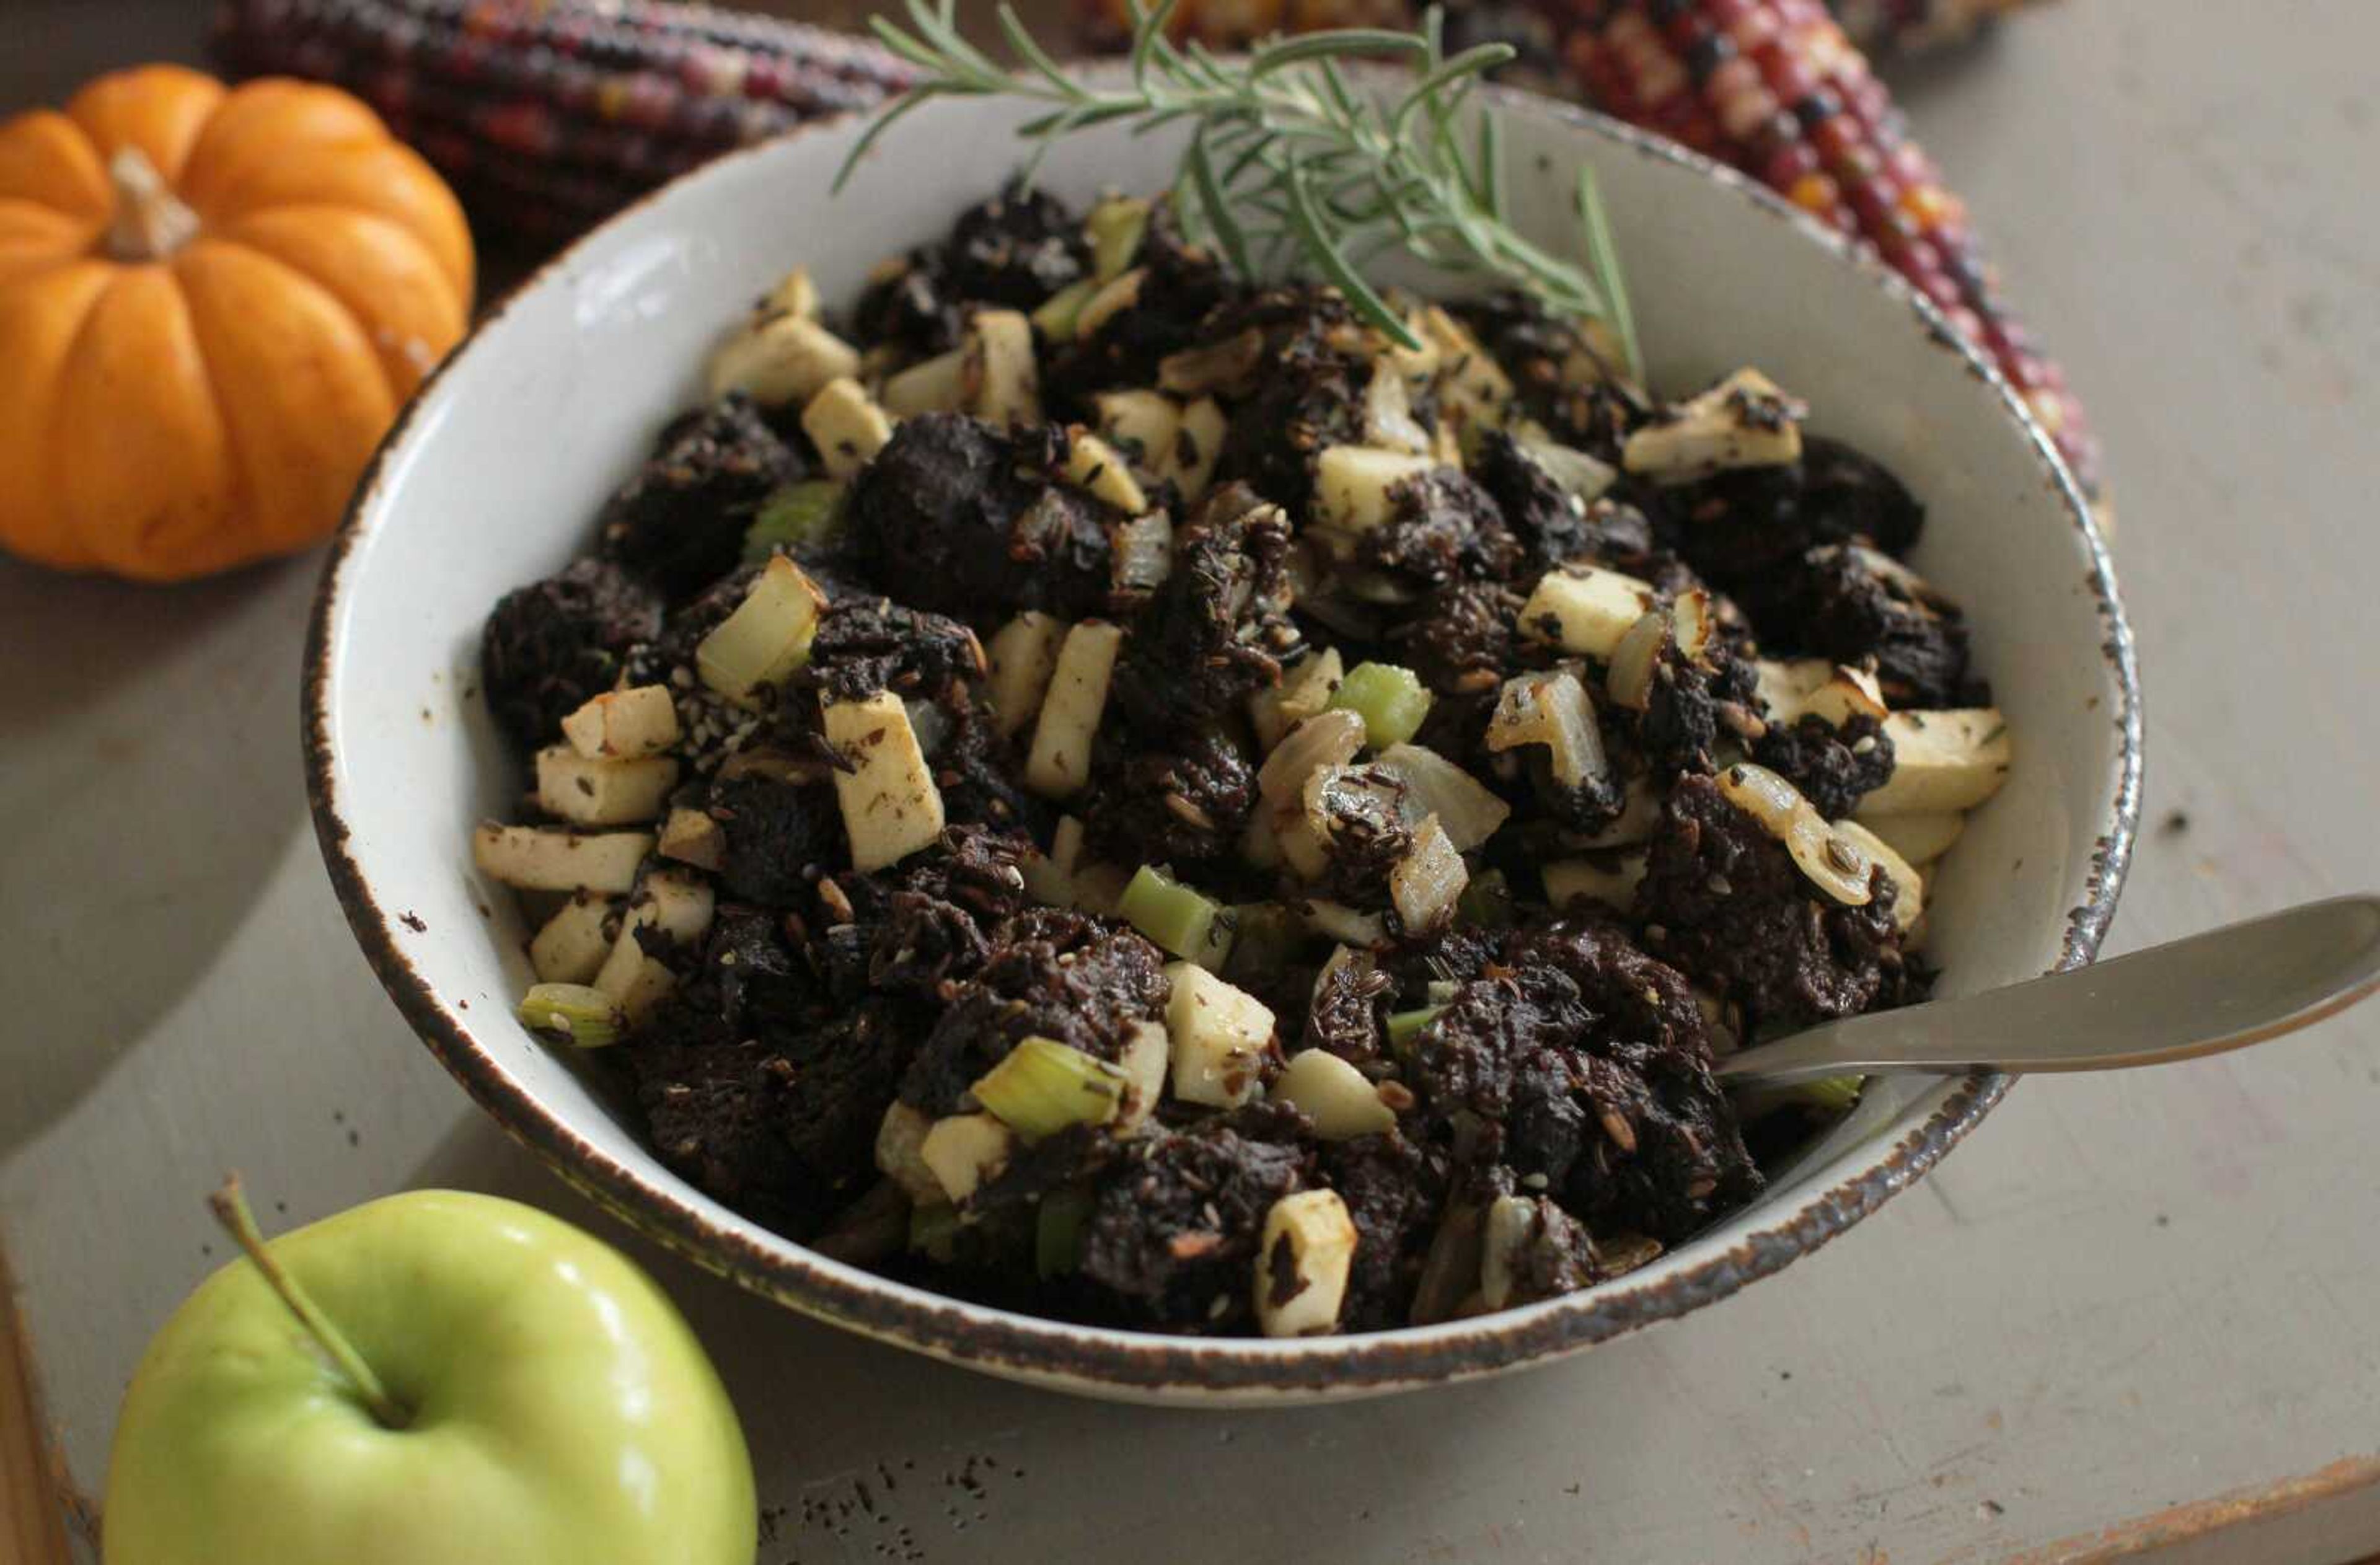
(1305, 689)
(1585, 608)
(571, 947)
(767, 638)
(900, 1141)
(1942, 761)
(1640, 813)
(1147, 1055)
(936, 386)
(1228, 365)
(1743, 421)
(847, 426)
(1307, 1250)
(624, 724)
(1920, 839)
(1847, 693)
(1571, 879)
(1049, 877)
(691, 836)
(1693, 623)
(1058, 765)
(1143, 425)
(998, 379)
(1552, 709)
(781, 359)
(795, 294)
(603, 792)
(1426, 883)
(1197, 446)
(1474, 392)
(1024, 656)
(680, 905)
(1337, 1096)
(1785, 687)
(1337, 921)
(964, 1150)
(632, 979)
(1099, 888)
(1101, 470)
(1218, 1035)
(890, 807)
(1352, 485)
(536, 858)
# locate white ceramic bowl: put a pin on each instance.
(492, 476)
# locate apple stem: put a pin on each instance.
(230, 1204)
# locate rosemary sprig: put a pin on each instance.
(1286, 161)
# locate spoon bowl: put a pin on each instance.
(2223, 989)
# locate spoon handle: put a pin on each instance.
(2222, 989)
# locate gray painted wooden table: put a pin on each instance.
(2130, 1314)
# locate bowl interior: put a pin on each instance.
(494, 475)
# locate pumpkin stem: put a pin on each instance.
(151, 222)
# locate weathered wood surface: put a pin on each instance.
(2132, 1314)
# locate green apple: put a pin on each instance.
(435, 1378)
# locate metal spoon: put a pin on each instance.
(2223, 989)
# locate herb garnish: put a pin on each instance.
(1287, 164)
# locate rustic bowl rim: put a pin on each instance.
(1129, 1363)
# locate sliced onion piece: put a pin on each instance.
(1467, 811)
(1834, 862)
(1143, 552)
(1388, 422)
(1429, 882)
(1630, 681)
(1552, 709)
(1328, 739)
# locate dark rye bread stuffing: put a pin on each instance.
(1104, 788)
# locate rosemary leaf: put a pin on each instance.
(1286, 161)
(1603, 255)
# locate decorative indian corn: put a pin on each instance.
(1778, 88)
(550, 115)
(1879, 26)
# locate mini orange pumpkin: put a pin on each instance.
(211, 303)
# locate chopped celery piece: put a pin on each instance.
(1057, 316)
(1266, 937)
(1184, 923)
(1043, 1087)
(1487, 901)
(1407, 1025)
(1835, 1095)
(1389, 699)
(1829, 1095)
(798, 516)
(1058, 1230)
(934, 1231)
(585, 1016)
(1116, 227)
